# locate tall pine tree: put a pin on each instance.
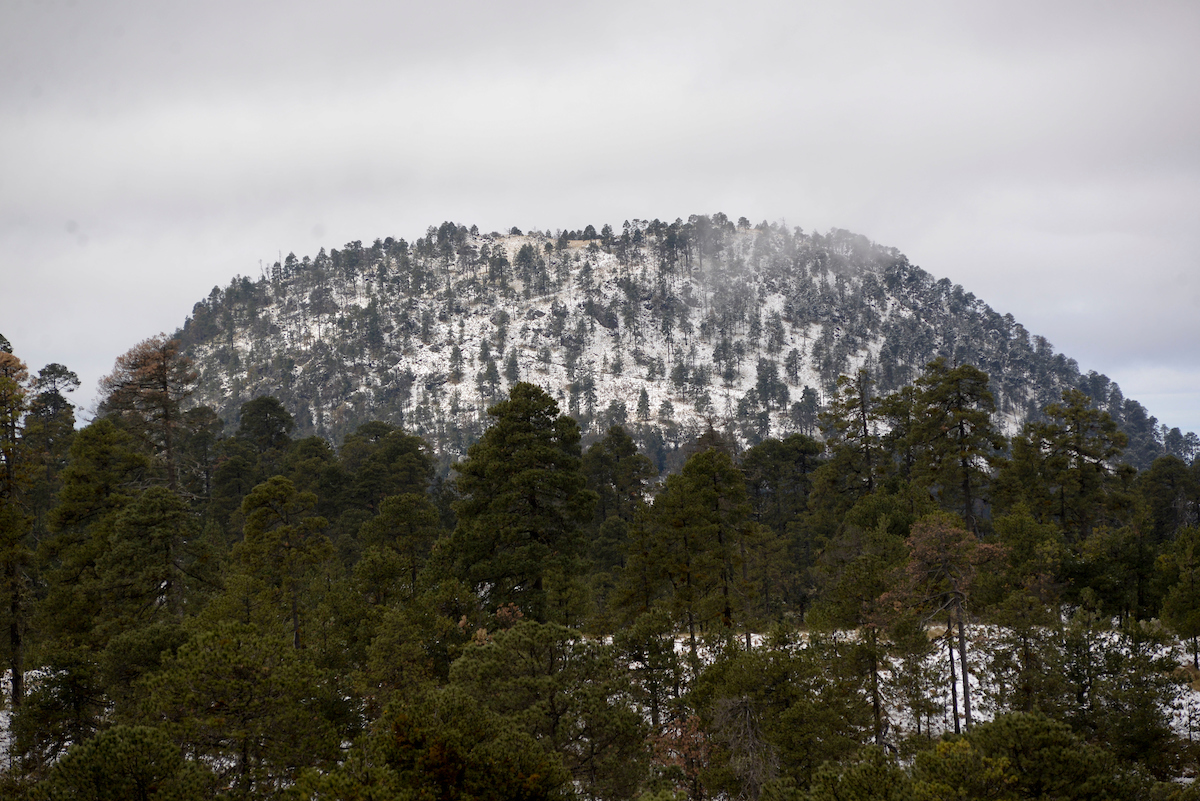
(523, 503)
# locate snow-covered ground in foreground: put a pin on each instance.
(1184, 707)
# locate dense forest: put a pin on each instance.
(904, 603)
(664, 328)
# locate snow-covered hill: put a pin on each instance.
(667, 328)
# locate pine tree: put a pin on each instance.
(523, 501)
(1063, 467)
(16, 480)
(127, 762)
(246, 704)
(406, 528)
(145, 570)
(618, 474)
(620, 477)
(283, 542)
(565, 691)
(938, 581)
(447, 744)
(703, 530)
(856, 572)
(643, 405)
(106, 475)
(850, 425)
(146, 390)
(1181, 607)
(954, 438)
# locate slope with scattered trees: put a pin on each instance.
(666, 328)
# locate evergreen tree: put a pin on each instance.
(856, 572)
(643, 405)
(105, 476)
(1063, 467)
(1181, 607)
(274, 564)
(703, 533)
(380, 461)
(620, 477)
(145, 570)
(266, 424)
(406, 529)
(779, 475)
(146, 390)
(1023, 594)
(447, 744)
(512, 370)
(247, 705)
(775, 714)
(872, 775)
(850, 426)
(804, 412)
(900, 412)
(127, 762)
(1023, 756)
(955, 438)
(564, 691)
(938, 581)
(523, 501)
(618, 474)
(199, 454)
(16, 480)
(647, 648)
(771, 391)
(1120, 690)
(1172, 495)
(83, 611)
(48, 429)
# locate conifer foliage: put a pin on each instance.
(523, 505)
(147, 389)
(908, 606)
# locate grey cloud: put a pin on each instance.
(1042, 155)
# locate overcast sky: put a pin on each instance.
(1046, 156)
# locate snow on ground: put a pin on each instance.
(1185, 711)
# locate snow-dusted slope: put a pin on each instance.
(743, 328)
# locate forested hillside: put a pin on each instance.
(909, 605)
(663, 327)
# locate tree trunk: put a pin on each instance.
(655, 715)
(866, 431)
(691, 624)
(244, 767)
(962, 653)
(295, 621)
(15, 639)
(876, 701)
(968, 499)
(953, 679)
(169, 446)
